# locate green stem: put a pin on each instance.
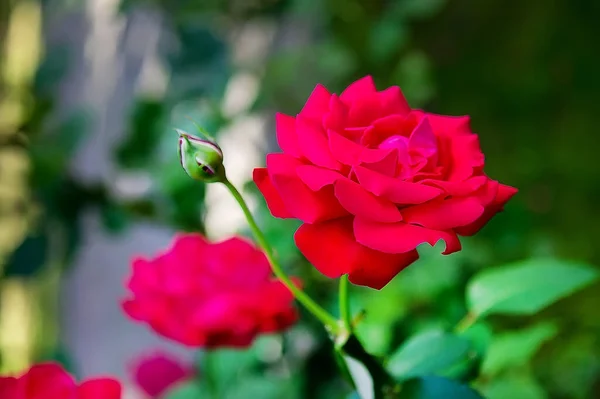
(208, 375)
(465, 323)
(345, 314)
(328, 320)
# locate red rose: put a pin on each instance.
(155, 373)
(372, 179)
(209, 295)
(51, 381)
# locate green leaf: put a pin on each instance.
(480, 335)
(188, 390)
(29, 257)
(414, 74)
(432, 387)
(387, 37)
(53, 67)
(420, 8)
(369, 378)
(363, 381)
(526, 287)
(376, 336)
(145, 129)
(226, 366)
(516, 348)
(517, 386)
(343, 367)
(430, 352)
(200, 66)
(263, 388)
(114, 218)
(463, 371)
(240, 374)
(416, 283)
(51, 152)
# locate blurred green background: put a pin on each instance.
(90, 91)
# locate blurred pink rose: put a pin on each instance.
(212, 295)
(51, 381)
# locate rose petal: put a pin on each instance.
(386, 126)
(276, 309)
(458, 188)
(9, 388)
(401, 237)
(418, 177)
(504, 194)
(372, 156)
(466, 156)
(311, 239)
(99, 388)
(272, 197)
(156, 372)
(351, 153)
(398, 142)
(141, 279)
(316, 178)
(387, 267)
(317, 103)
(186, 246)
(332, 249)
(48, 380)
(344, 150)
(422, 141)
(225, 264)
(358, 201)
(364, 110)
(314, 145)
(303, 203)
(449, 125)
(338, 112)
(363, 101)
(487, 192)
(395, 190)
(355, 133)
(393, 101)
(381, 161)
(220, 311)
(133, 310)
(444, 214)
(287, 138)
(358, 90)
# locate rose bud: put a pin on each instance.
(201, 159)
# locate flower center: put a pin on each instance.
(396, 141)
(417, 153)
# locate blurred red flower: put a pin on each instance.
(210, 295)
(372, 179)
(51, 381)
(154, 373)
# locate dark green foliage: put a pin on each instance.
(29, 257)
